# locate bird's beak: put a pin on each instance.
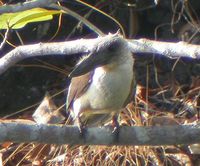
(89, 63)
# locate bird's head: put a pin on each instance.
(105, 53)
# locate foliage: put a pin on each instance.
(20, 19)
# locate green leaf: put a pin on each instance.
(20, 19)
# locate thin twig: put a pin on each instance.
(78, 17)
(4, 39)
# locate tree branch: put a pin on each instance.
(172, 50)
(44, 49)
(26, 5)
(169, 49)
(63, 134)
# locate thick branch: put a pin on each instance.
(62, 134)
(26, 5)
(172, 50)
(43, 49)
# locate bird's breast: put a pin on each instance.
(109, 88)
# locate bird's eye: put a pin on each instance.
(115, 46)
(112, 48)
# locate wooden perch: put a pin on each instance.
(62, 134)
(171, 50)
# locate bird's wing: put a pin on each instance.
(77, 87)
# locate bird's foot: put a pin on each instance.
(116, 128)
(82, 129)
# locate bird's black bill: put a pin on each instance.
(89, 63)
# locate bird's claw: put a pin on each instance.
(116, 128)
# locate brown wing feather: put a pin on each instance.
(77, 87)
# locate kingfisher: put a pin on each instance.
(102, 84)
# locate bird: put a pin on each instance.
(102, 84)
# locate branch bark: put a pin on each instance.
(171, 50)
(44, 49)
(62, 134)
(168, 49)
(26, 5)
